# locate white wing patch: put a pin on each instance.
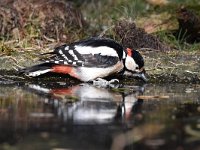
(72, 54)
(103, 50)
(124, 55)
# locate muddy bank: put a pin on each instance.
(175, 66)
(161, 67)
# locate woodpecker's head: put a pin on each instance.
(134, 64)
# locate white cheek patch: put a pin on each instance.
(130, 63)
(124, 55)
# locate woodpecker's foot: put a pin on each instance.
(104, 83)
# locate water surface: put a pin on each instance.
(83, 116)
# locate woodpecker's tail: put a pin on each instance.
(37, 69)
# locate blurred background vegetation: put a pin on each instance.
(40, 25)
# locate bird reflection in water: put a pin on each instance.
(88, 104)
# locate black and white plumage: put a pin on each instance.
(89, 59)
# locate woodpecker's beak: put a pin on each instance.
(141, 74)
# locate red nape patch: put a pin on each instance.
(129, 51)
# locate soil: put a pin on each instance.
(136, 38)
(49, 18)
(174, 66)
(189, 26)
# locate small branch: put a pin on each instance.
(105, 30)
(148, 49)
(49, 39)
(12, 58)
(175, 64)
(191, 72)
(2, 54)
(148, 97)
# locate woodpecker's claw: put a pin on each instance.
(114, 81)
(104, 83)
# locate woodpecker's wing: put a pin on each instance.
(94, 52)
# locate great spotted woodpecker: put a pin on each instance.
(90, 59)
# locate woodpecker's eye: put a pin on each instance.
(137, 68)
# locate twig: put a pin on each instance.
(2, 54)
(192, 72)
(49, 39)
(148, 49)
(13, 76)
(9, 42)
(12, 58)
(18, 66)
(104, 31)
(147, 97)
(178, 64)
(172, 71)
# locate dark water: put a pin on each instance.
(60, 117)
